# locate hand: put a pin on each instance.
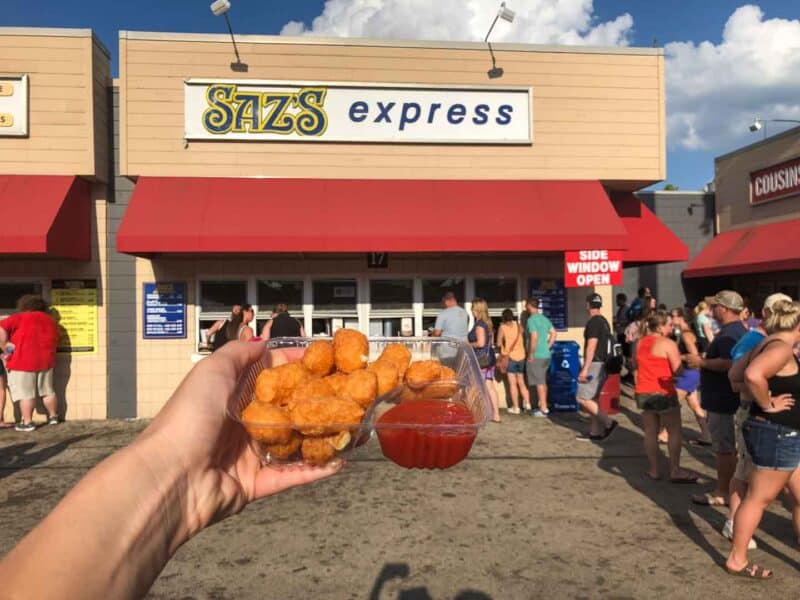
(583, 377)
(693, 361)
(222, 472)
(530, 359)
(780, 403)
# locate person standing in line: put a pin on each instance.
(689, 380)
(245, 332)
(596, 344)
(480, 338)
(3, 380)
(452, 322)
(772, 432)
(659, 362)
(541, 337)
(637, 306)
(217, 333)
(34, 335)
(742, 355)
(717, 397)
(703, 326)
(282, 324)
(510, 341)
(621, 322)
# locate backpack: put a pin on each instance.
(614, 359)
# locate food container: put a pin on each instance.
(428, 425)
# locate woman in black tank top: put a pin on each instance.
(772, 433)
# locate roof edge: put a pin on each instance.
(343, 41)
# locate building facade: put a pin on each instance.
(356, 181)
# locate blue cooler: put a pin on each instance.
(562, 376)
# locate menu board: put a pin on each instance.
(552, 297)
(74, 304)
(13, 105)
(164, 310)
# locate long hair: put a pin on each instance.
(481, 311)
(234, 322)
(701, 307)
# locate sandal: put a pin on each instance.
(689, 478)
(6, 425)
(751, 571)
(708, 499)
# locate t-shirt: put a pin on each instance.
(700, 321)
(35, 338)
(284, 325)
(716, 394)
(453, 322)
(747, 342)
(597, 327)
(540, 324)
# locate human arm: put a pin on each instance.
(673, 356)
(591, 348)
(265, 331)
(501, 338)
(736, 373)
(767, 364)
(480, 337)
(113, 533)
(551, 337)
(215, 327)
(707, 331)
(246, 334)
(302, 331)
(532, 341)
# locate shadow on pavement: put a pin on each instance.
(17, 457)
(392, 571)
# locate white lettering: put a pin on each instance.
(588, 280)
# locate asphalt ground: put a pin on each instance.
(531, 513)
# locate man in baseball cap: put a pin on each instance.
(717, 396)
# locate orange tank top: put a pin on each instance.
(654, 372)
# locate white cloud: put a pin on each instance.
(537, 21)
(715, 90)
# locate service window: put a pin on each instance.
(12, 291)
(335, 303)
(271, 292)
(499, 293)
(216, 301)
(432, 292)
(391, 307)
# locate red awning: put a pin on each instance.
(759, 249)
(198, 215)
(45, 215)
(649, 240)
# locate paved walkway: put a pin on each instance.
(531, 514)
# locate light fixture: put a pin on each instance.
(759, 123)
(221, 8)
(506, 14)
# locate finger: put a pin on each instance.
(274, 479)
(238, 355)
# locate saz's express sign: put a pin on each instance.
(777, 181)
(291, 112)
(588, 268)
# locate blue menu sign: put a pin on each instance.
(552, 297)
(165, 310)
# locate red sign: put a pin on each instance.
(777, 181)
(587, 268)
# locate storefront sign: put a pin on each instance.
(777, 181)
(13, 105)
(587, 268)
(164, 310)
(341, 112)
(74, 304)
(552, 298)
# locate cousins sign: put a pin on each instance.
(326, 112)
(588, 268)
(777, 181)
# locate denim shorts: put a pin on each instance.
(516, 366)
(772, 446)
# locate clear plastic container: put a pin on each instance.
(431, 425)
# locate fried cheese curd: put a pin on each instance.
(387, 373)
(285, 451)
(429, 379)
(398, 355)
(315, 387)
(337, 381)
(290, 376)
(361, 386)
(319, 450)
(446, 387)
(423, 371)
(351, 350)
(267, 423)
(324, 416)
(318, 357)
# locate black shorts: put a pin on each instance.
(3, 373)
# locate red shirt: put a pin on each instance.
(654, 374)
(35, 337)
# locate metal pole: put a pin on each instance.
(230, 30)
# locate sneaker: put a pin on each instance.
(26, 427)
(539, 413)
(588, 437)
(609, 431)
(53, 420)
(513, 411)
(727, 533)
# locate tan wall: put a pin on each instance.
(163, 363)
(68, 116)
(732, 183)
(80, 378)
(596, 115)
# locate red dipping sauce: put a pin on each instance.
(432, 439)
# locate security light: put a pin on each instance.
(756, 125)
(505, 13)
(220, 7)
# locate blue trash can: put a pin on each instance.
(562, 377)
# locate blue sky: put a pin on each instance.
(713, 92)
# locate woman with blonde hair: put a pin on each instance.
(480, 338)
(772, 433)
(703, 326)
